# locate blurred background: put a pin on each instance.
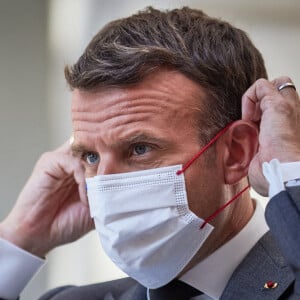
(37, 38)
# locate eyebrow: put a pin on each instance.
(78, 149)
(139, 138)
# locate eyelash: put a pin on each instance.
(150, 147)
(84, 155)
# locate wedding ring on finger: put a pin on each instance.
(286, 85)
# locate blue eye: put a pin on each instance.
(92, 158)
(141, 149)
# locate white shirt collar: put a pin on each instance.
(204, 277)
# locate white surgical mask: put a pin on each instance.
(145, 224)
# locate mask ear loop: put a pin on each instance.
(188, 164)
(212, 216)
(179, 172)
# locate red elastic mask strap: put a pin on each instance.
(187, 165)
(179, 172)
(212, 216)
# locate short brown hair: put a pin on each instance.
(211, 52)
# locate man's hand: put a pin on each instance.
(277, 114)
(52, 208)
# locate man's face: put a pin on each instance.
(153, 124)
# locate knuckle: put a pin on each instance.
(280, 105)
(285, 107)
(284, 79)
(265, 88)
(262, 82)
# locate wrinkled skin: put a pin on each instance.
(277, 113)
(52, 208)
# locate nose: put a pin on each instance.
(109, 165)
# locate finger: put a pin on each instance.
(249, 106)
(79, 176)
(59, 166)
(251, 100)
(288, 92)
(64, 148)
(83, 193)
(72, 166)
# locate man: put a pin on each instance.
(156, 113)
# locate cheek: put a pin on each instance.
(90, 172)
(204, 190)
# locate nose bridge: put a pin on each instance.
(109, 164)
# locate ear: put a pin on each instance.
(240, 146)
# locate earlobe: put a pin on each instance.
(240, 146)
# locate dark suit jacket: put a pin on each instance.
(275, 258)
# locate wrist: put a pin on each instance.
(8, 233)
(20, 238)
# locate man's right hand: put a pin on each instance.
(52, 208)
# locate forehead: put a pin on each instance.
(164, 100)
(172, 86)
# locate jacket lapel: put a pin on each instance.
(263, 274)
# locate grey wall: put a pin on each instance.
(34, 99)
(23, 126)
(23, 106)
